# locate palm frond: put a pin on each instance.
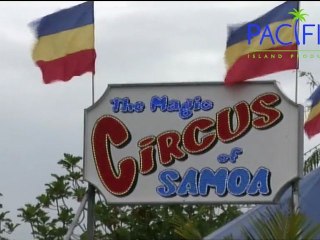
(275, 224)
(312, 162)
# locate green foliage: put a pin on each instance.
(274, 224)
(196, 224)
(312, 162)
(52, 214)
(50, 217)
(6, 225)
(159, 221)
(186, 228)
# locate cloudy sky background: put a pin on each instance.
(136, 42)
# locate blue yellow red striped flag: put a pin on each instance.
(247, 44)
(65, 46)
(312, 124)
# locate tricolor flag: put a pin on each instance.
(65, 46)
(312, 124)
(252, 48)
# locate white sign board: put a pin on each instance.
(193, 143)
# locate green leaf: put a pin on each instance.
(274, 224)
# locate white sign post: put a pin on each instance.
(193, 143)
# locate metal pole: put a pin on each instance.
(76, 217)
(90, 220)
(91, 188)
(295, 185)
(91, 194)
(295, 196)
(295, 204)
(297, 67)
(296, 91)
(92, 87)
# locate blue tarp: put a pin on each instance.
(309, 204)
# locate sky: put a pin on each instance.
(136, 42)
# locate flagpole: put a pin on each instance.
(92, 88)
(295, 184)
(297, 67)
(91, 188)
(90, 220)
(296, 91)
(91, 191)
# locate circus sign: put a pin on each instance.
(193, 143)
